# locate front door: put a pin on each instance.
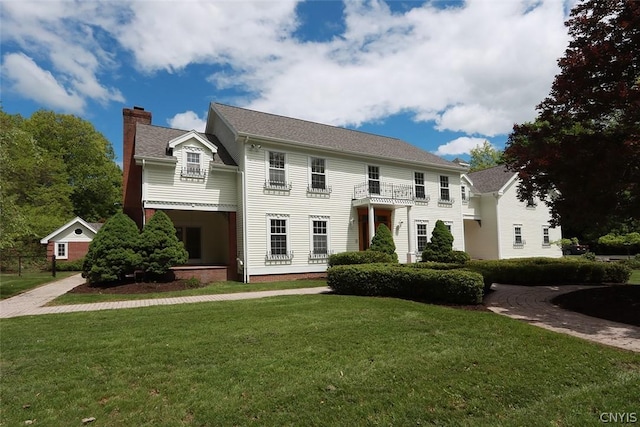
(381, 216)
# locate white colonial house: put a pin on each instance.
(259, 196)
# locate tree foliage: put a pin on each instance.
(113, 253)
(584, 146)
(159, 247)
(484, 156)
(54, 167)
(441, 244)
(383, 242)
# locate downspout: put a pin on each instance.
(143, 195)
(245, 237)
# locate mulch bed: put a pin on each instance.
(134, 288)
(619, 303)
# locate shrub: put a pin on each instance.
(441, 244)
(549, 271)
(454, 286)
(113, 252)
(633, 263)
(159, 247)
(68, 265)
(383, 242)
(436, 265)
(362, 257)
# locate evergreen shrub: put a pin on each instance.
(454, 286)
(440, 248)
(383, 242)
(159, 247)
(361, 257)
(113, 253)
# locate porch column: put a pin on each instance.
(411, 256)
(372, 224)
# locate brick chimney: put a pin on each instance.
(132, 173)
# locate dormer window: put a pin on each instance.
(193, 165)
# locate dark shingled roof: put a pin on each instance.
(492, 179)
(96, 225)
(151, 141)
(308, 133)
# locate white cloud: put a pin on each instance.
(462, 145)
(477, 68)
(188, 121)
(27, 78)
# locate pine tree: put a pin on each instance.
(383, 242)
(113, 253)
(159, 247)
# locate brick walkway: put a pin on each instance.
(532, 304)
(528, 303)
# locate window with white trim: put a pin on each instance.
(192, 167)
(531, 203)
(319, 237)
(318, 176)
(277, 175)
(545, 236)
(449, 225)
(463, 193)
(445, 195)
(418, 179)
(62, 250)
(517, 235)
(422, 236)
(278, 238)
(373, 175)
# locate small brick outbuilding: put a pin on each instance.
(71, 241)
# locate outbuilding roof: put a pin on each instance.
(303, 132)
(492, 179)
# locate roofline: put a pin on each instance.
(154, 160)
(245, 135)
(508, 183)
(45, 240)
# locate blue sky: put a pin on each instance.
(442, 75)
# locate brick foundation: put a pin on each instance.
(291, 276)
(205, 274)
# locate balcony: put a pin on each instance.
(193, 172)
(383, 193)
(277, 185)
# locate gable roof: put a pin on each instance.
(492, 179)
(92, 226)
(271, 126)
(152, 141)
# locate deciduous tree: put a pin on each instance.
(484, 156)
(582, 153)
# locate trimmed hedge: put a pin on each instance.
(68, 265)
(362, 257)
(549, 271)
(455, 286)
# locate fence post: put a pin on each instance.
(53, 265)
(19, 265)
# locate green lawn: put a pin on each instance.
(316, 360)
(211, 289)
(11, 284)
(635, 277)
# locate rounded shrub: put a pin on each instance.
(113, 253)
(159, 247)
(358, 257)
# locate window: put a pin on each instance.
(545, 236)
(418, 178)
(193, 165)
(61, 250)
(531, 203)
(517, 235)
(278, 238)
(463, 193)
(319, 237)
(78, 231)
(445, 196)
(373, 173)
(277, 173)
(318, 178)
(449, 226)
(421, 235)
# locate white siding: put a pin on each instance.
(511, 211)
(481, 238)
(163, 186)
(69, 235)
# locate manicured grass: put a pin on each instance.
(211, 289)
(303, 361)
(635, 278)
(11, 284)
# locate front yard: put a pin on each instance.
(312, 360)
(11, 284)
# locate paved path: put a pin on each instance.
(31, 302)
(529, 303)
(533, 305)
